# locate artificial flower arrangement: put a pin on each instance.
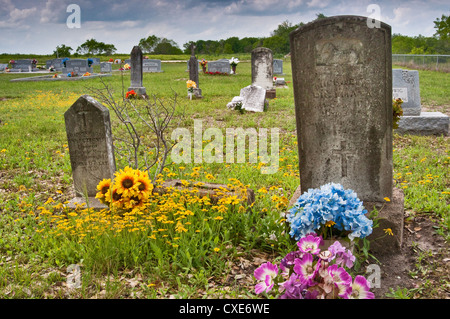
(12, 62)
(191, 85)
(71, 74)
(34, 61)
(203, 62)
(234, 61)
(331, 211)
(126, 66)
(312, 273)
(130, 94)
(64, 61)
(90, 61)
(130, 189)
(55, 76)
(111, 60)
(216, 73)
(87, 74)
(397, 112)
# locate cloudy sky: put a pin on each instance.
(38, 26)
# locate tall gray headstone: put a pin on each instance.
(90, 143)
(342, 79)
(262, 68)
(136, 71)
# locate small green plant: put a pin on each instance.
(397, 112)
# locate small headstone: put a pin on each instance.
(106, 67)
(136, 71)
(262, 68)
(90, 143)
(78, 66)
(278, 66)
(3, 66)
(222, 66)
(151, 65)
(253, 98)
(405, 85)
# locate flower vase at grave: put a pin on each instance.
(204, 69)
(233, 67)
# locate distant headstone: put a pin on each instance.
(106, 67)
(90, 143)
(79, 66)
(222, 66)
(3, 66)
(344, 116)
(96, 61)
(277, 66)
(136, 71)
(252, 98)
(405, 85)
(193, 72)
(24, 65)
(56, 63)
(151, 65)
(262, 68)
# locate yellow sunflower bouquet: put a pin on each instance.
(130, 189)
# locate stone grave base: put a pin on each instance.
(206, 189)
(91, 202)
(139, 90)
(427, 123)
(391, 215)
(62, 78)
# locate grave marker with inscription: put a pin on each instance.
(151, 65)
(344, 116)
(262, 68)
(277, 66)
(222, 66)
(405, 85)
(106, 67)
(90, 143)
(78, 66)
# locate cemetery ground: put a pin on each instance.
(223, 244)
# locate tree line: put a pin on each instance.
(278, 42)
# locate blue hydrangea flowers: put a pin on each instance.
(329, 205)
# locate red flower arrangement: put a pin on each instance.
(130, 94)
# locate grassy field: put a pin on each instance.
(211, 253)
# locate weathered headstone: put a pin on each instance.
(3, 66)
(262, 68)
(405, 85)
(136, 71)
(252, 98)
(151, 65)
(193, 72)
(343, 115)
(106, 67)
(222, 66)
(344, 118)
(79, 66)
(95, 61)
(90, 143)
(278, 66)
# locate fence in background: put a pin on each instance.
(423, 61)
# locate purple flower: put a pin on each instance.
(305, 269)
(360, 289)
(288, 260)
(266, 272)
(310, 244)
(341, 279)
(293, 288)
(342, 255)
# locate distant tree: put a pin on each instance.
(442, 27)
(62, 51)
(93, 47)
(320, 16)
(166, 46)
(149, 44)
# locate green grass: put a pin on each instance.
(35, 166)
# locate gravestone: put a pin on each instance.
(136, 71)
(405, 85)
(252, 98)
(106, 67)
(151, 65)
(24, 65)
(90, 143)
(95, 61)
(278, 66)
(3, 66)
(342, 79)
(262, 68)
(78, 66)
(56, 63)
(193, 72)
(222, 66)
